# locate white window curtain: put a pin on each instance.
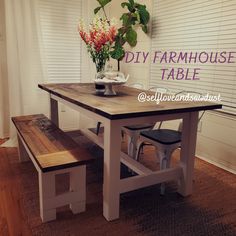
(196, 26)
(42, 46)
(23, 61)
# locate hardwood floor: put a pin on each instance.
(11, 213)
(209, 211)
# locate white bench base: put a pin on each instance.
(49, 201)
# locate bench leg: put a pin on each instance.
(75, 197)
(78, 187)
(23, 155)
(46, 192)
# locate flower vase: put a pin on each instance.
(100, 89)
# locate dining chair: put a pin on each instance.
(133, 131)
(166, 141)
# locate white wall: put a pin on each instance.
(217, 132)
(217, 140)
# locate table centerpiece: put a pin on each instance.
(105, 40)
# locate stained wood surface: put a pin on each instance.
(124, 105)
(50, 146)
(13, 220)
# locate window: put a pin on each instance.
(197, 26)
(60, 44)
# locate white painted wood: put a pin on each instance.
(129, 144)
(78, 188)
(136, 182)
(132, 139)
(23, 155)
(75, 197)
(46, 192)
(134, 165)
(187, 154)
(112, 147)
(113, 185)
(48, 200)
(59, 200)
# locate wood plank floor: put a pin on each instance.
(211, 210)
(11, 212)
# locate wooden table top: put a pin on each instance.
(124, 105)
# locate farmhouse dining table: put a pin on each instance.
(123, 110)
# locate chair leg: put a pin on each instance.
(168, 158)
(165, 160)
(129, 145)
(139, 147)
(98, 127)
(163, 165)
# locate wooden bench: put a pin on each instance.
(53, 152)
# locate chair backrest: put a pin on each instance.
(185, 92)
(159, 90)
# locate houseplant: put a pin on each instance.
(105, 40)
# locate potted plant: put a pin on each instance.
(104, 40)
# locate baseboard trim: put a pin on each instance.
(217, 164)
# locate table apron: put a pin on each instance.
(121, 122)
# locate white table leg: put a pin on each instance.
(78, 186)
(188, 146)
(54, 112)
(112, 148)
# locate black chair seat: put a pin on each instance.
(138, 127)
(163, 136)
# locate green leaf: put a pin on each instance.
(145, 29)
(125, 4)
(118, 53)
(131, 2)
(131, 37)
(125, 19)
(96, 10)
(103, 3)
(144, 14)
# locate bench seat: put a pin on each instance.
(53, 152)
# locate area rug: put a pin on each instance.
(211, 210)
